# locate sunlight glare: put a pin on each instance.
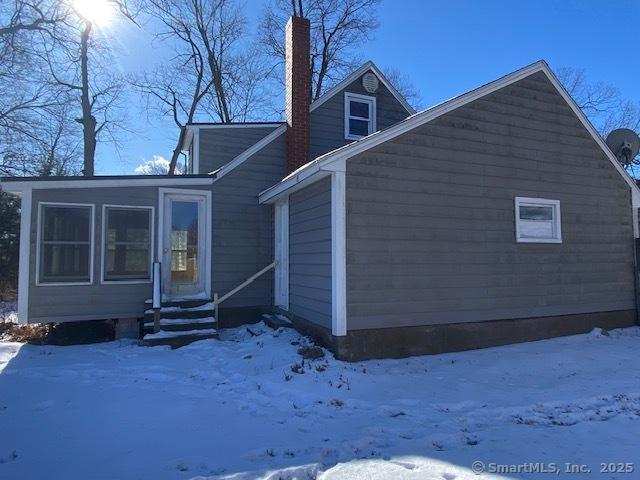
(99, 12)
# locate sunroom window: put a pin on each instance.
(127, 243)
(538, 220)
(65, 243)
(359, 116)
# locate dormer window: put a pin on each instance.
(359, 116)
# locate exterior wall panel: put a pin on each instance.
(218, 146)
(310, 253)
(50, 302)
(430, 218)
(243, 236)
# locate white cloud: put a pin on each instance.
(158, 165)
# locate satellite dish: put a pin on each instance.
(624, 144)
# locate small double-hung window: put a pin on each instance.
(538, 220)
(359, 116)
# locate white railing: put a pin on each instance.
(218, 300)
(156, 301)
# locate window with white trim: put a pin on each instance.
(65, 243)
(127, 243)
(538, 220)
(359, 116)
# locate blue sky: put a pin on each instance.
(444, 47)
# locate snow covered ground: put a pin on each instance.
(236, 409)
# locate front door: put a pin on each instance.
(184, 251)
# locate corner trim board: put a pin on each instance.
(196, 152)
(23, 260)
(281, 289)
(338, 254)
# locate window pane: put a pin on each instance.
(128, 245)
(127, 261)
(359, 109)
(64, 263)
(536, 213)
(66, 224)
(130, 225)
(359, 128)
(536, 229)
(184, 242)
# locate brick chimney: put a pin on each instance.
(298, 91)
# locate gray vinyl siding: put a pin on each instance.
(327, 121)
(430, 218)
(64, 302)
(310, 253)
(218, 146)
(243, 229)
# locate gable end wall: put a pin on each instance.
(327, 121)
(430, 218)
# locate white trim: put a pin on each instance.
(103, 244)
(195, 126)
(26, 202)
(324, 161)
(281, 289)
(196, 152)
(353, 77)
(208, 226)
(371, 121)
(556, 219)
(338, 254)
(173, 180)
(252, 150)
(92, 245)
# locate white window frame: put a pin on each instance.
(92, 243)
(348, 97)
(103, 245)
(539, 202)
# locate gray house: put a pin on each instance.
(495, 217)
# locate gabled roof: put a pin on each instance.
(328, 162)
(281, 127)
(369, 65)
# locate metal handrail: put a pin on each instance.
(218, 300)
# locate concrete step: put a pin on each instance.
(181, 324)
(184, 303)
(176, 339)
(276, 321)
(173, 311)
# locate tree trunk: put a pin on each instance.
(88, 121)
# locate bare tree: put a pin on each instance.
(603, 103)
(36, 127)
(79, 62)
(405, 86)
(213, 71)
(337, 28)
